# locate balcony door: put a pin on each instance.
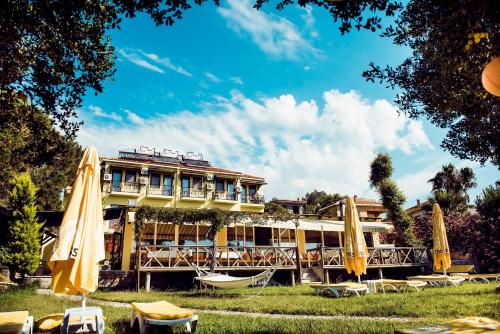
(116, 179)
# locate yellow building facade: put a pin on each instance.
(168, 179)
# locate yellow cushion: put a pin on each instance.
(161, 311)
(50, 322)
(472, 325)
(12, 322)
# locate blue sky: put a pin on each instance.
(278, 95)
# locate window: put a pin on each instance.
(219, 186)
(154, 180)
(185, 186)
(167, 185)
(197, 182)
(252, 189)
(230, 191)
(116, 179)
(130, 176)
(243, 194)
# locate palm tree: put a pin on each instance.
(450, 186)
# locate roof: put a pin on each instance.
(357, 200)
(418, 207)
(289, 201)
(190, 167)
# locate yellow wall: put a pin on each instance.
(301, 241)
(128, 238)
(222, 237)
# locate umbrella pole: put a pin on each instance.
(359, 279)
(84, 300)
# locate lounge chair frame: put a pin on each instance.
(28, 326)
(338, 292)
(145, 322)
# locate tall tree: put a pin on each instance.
(23, 245)
(451, 42)
(31, 143)
(316, 200)
(450, 186)
(392, 198)
(485, 252)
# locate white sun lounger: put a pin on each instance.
(340, 289)
(161, 314)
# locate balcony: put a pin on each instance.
(193, 194)
(253, 200)
(159, 191)
(224, 196)
(125, 188)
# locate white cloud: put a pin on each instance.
(98, 111)
(297, 145)
(134, 118)
(166, 62)
(136, 59)
(309, 22)
(212, 77)
(144, 59)
(236, 80)
(276, 36)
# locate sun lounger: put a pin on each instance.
(438, 280)
(340, 289)
(162, 314)
(396, 285)
(482, 277)
(472, 325)
(16, 322)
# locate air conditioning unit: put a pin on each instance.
(143, 180)
(144, 171)
(210, 177)
(238, 189)
(108, 177)
(210, 186)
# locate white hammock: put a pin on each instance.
(232, 282)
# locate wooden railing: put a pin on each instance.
(226, 257)
(333, 257)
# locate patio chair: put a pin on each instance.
(161, 313)
(16, 322)
(439, 280)
(340, 289)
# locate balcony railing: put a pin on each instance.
(224, 195)
(333, 257)
(193, 193)
(125, 187)
(159, 190)
(169, 257)
(253, 199)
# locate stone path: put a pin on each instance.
(239, 313)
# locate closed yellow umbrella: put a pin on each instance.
(441, 251)
(355, 250)
(80, 245)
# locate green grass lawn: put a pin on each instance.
(473, 299)
(430, 306)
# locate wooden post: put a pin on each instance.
(322, 237)
(340, 239)
(155, 233)
(327, 277)
(197, 242)
(244, 235)
(380, 274)
(176, 235)
(272, 236)
(148, 281)
(279, 237)
(292, 277)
